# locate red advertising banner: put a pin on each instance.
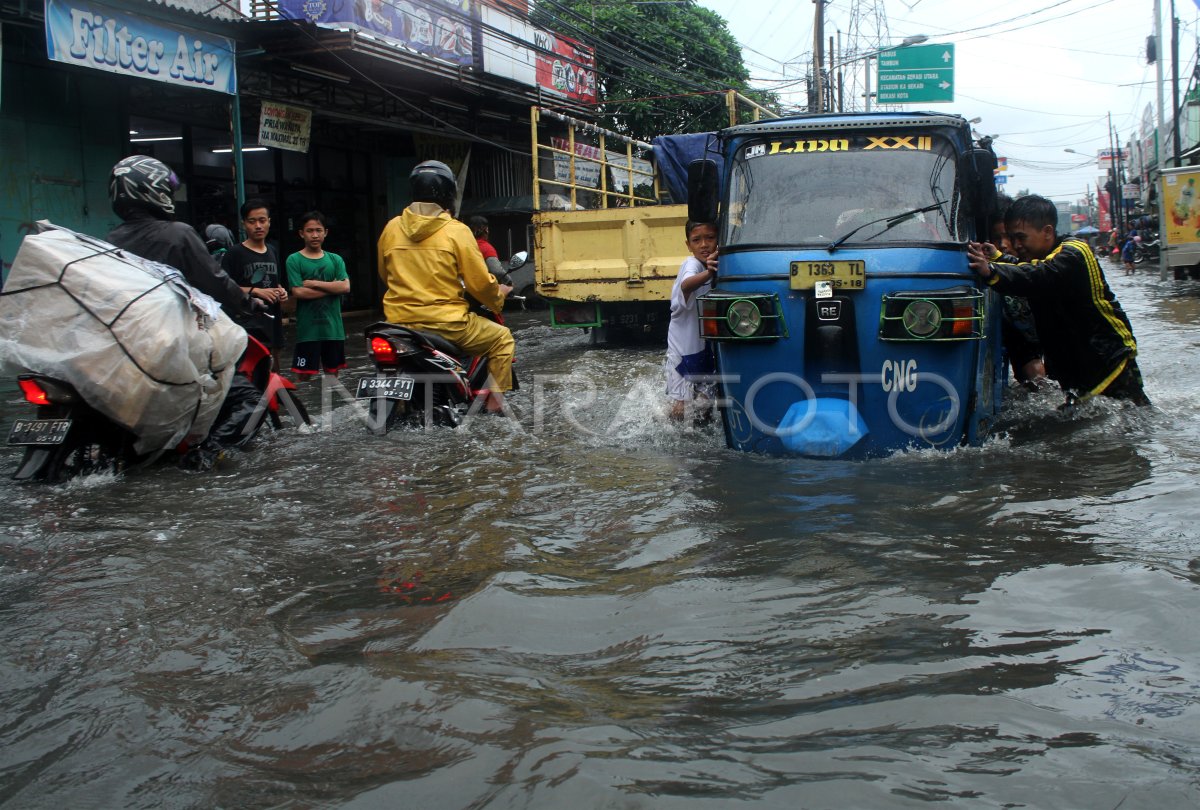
(1105, 223)
(565, 67)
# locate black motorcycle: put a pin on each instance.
(421, 379)
(67, 437)
(1146, 249)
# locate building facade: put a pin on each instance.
(320, 110)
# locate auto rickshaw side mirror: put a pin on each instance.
(977, 168)
(703, 191)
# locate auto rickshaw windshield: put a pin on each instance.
(806, 190)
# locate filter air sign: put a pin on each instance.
(92, 35)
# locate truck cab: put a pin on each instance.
(845, 320)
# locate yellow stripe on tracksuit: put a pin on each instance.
(1104, 307)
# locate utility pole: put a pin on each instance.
(1176, 150)
(1158, 144)
(819, 56)
(1116, 198)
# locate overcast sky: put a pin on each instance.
(1042, 75)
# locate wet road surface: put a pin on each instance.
(590, 607)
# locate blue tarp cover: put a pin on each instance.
(673, 153)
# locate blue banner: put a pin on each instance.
(80, 32)
(438, 28)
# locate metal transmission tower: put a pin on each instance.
(862, 33)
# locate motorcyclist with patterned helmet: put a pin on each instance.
(142, 190)
(430, 262)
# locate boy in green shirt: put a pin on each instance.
(318, 280)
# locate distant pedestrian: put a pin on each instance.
(1131, 242)
(318, 280)
(689, 357)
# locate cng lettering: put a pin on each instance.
(899, 375)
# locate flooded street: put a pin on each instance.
(592, 608)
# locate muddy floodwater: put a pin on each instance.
(589, 607)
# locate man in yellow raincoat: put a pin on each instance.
(430, 261)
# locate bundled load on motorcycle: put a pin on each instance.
(138, 344)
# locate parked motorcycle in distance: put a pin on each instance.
(1146, 248)
(67, 437)
(420, 379)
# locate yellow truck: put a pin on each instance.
(608, 241)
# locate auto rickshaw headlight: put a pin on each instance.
(922, 318)
(744, 318)
(932, 315)
(747, 316)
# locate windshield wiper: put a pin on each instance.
(892, 221)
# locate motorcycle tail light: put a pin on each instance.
(932, 315)
(44, 391)
(382, 351)
(34, 393)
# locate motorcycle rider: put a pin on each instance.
(142, 191)
(427, 258)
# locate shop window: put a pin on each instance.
(212, 152)
(295, 168)
(159, 139)
(333, 170)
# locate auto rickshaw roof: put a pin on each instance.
(843, 121)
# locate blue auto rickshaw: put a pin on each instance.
(845, 320)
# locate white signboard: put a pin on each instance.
(80, 32)
(587, 172)
(284, 126)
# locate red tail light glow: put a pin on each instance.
(382, 351)
(34, 393)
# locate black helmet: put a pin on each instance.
(145, 183)
(432, 181)
(217, 237)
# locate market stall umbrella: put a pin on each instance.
(1087, 230)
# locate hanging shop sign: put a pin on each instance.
(437, 28)
(284, 126)
(587, 172)
(92, 35)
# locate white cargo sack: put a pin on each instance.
(140, 346)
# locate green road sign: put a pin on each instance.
(921, 74)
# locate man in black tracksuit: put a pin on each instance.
(1088, 342)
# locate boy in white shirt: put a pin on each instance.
(688, 355)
